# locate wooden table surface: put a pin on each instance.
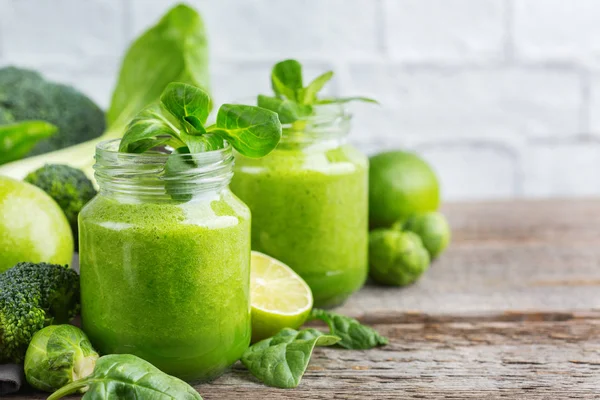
(511, 310)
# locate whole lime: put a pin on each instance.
(32, 226)
(401, 184)
(433, 229)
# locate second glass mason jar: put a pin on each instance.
(309, 203)
(165, 272)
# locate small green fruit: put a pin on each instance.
(396, 258)
(433, 229)
(33, 228)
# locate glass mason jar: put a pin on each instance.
(309, 203)
(162, 279)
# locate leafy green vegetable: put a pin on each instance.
(18, 139)
(353, 334)
(292, 100)
(57, 356)
(124, 376)
(252, 131)
(281, 360)
(184, 109)
(175, 49)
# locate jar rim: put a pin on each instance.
(111, 147)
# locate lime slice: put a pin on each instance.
(280, 298)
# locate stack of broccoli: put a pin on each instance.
(33, 296)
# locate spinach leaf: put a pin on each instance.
(281, 360)
(173, 50)
(188, 104)
(252, 131)
(342, 100)
(182, 113)
(353, 334)
(292, 101)
(309, 94)
(147, 126)
(17, 140)
(288, 111)
(286, 79)
(124, 376)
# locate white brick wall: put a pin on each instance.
(501, 96)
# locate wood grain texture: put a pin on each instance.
(512, 310)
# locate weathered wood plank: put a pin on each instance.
(469, 360)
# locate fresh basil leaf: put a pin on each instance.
(148, 124)
(354, 335)
(252, 131)
(341, 100)
(17, 139)
(280, 361)
(288, 111)
(309, 94)
(188, 104)
(124, 376)
(286, 79)
(173, 50)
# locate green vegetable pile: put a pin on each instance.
(175, 49)
(33, 296)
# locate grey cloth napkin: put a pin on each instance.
(11, 378)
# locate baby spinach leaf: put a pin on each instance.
(175, 49)
(189, 104)
(281, 360)
(253, 131)
(342, 100)
(286, 79)
(147, 125)
(309, 94)
(288, 111)
(353, 334)
(124, 376)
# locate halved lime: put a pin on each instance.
(280, 298)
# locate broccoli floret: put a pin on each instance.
(33, 296)
(26, 95)
(68, 186)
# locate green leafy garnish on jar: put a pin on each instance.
(293, 101)
(179, 121)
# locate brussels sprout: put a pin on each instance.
(58, 355)
(433, 229)
(396, 258)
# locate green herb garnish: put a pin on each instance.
(293, 101)
(353, 334)
(179, 120)
(281, 360)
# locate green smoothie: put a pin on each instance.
(168, 282)
(309, 210)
